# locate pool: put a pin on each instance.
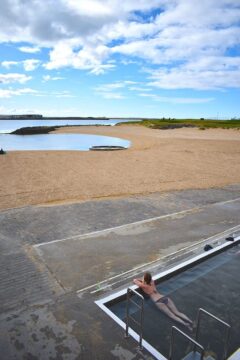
(81, 142)
(209, 281)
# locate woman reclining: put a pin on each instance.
(163, 303)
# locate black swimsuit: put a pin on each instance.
(163, 300)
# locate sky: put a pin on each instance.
(120, 58)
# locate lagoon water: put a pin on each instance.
(83, 142)
(57, 142)
(7, 126)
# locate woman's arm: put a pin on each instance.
(138, 282)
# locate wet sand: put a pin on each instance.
(158, 161)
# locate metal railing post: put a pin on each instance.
(196, 344)
(226, 342)
(141, 322)
(200, 311)
(197, 327)
(128, 316)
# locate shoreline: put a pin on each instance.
(157, 161)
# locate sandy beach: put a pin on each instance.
(157, 161)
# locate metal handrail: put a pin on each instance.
(128, 316)
(196, 344)
(200, 311)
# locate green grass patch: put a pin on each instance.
(179, 123)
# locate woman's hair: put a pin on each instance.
(147, 278)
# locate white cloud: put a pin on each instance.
(31, 64)
(202, 75)
(29, 49)
(14, 78)
(78, 23)
(110, 87)
(193, 13)
(108, 91)
(112, 95)
(177, 100)
(129, 62)
(7, 93)
(87, 35)
(175, 44)
(88, 58)
(61, 94)
(8, 64)
(139, 88)
(52, 78)
(90, 8)
(28, 65)
(115, 85)
(130, 82)
(34, 110)
(113, 8)
(100, 68)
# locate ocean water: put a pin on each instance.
(7, 126)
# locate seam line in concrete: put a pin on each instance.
(217, 236)
(91, 234)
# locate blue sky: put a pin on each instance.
(133, 58)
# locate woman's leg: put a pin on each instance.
(174, 309)
(169, 313)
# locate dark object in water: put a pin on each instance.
(2, 152)
(107, 148)
(208, 247)
(230, 238)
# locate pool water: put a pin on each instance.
(58, 142)
(212, 285)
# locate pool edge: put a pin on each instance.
(163, 274)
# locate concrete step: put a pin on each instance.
(195, 355)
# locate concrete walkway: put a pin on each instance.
(53, 258)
